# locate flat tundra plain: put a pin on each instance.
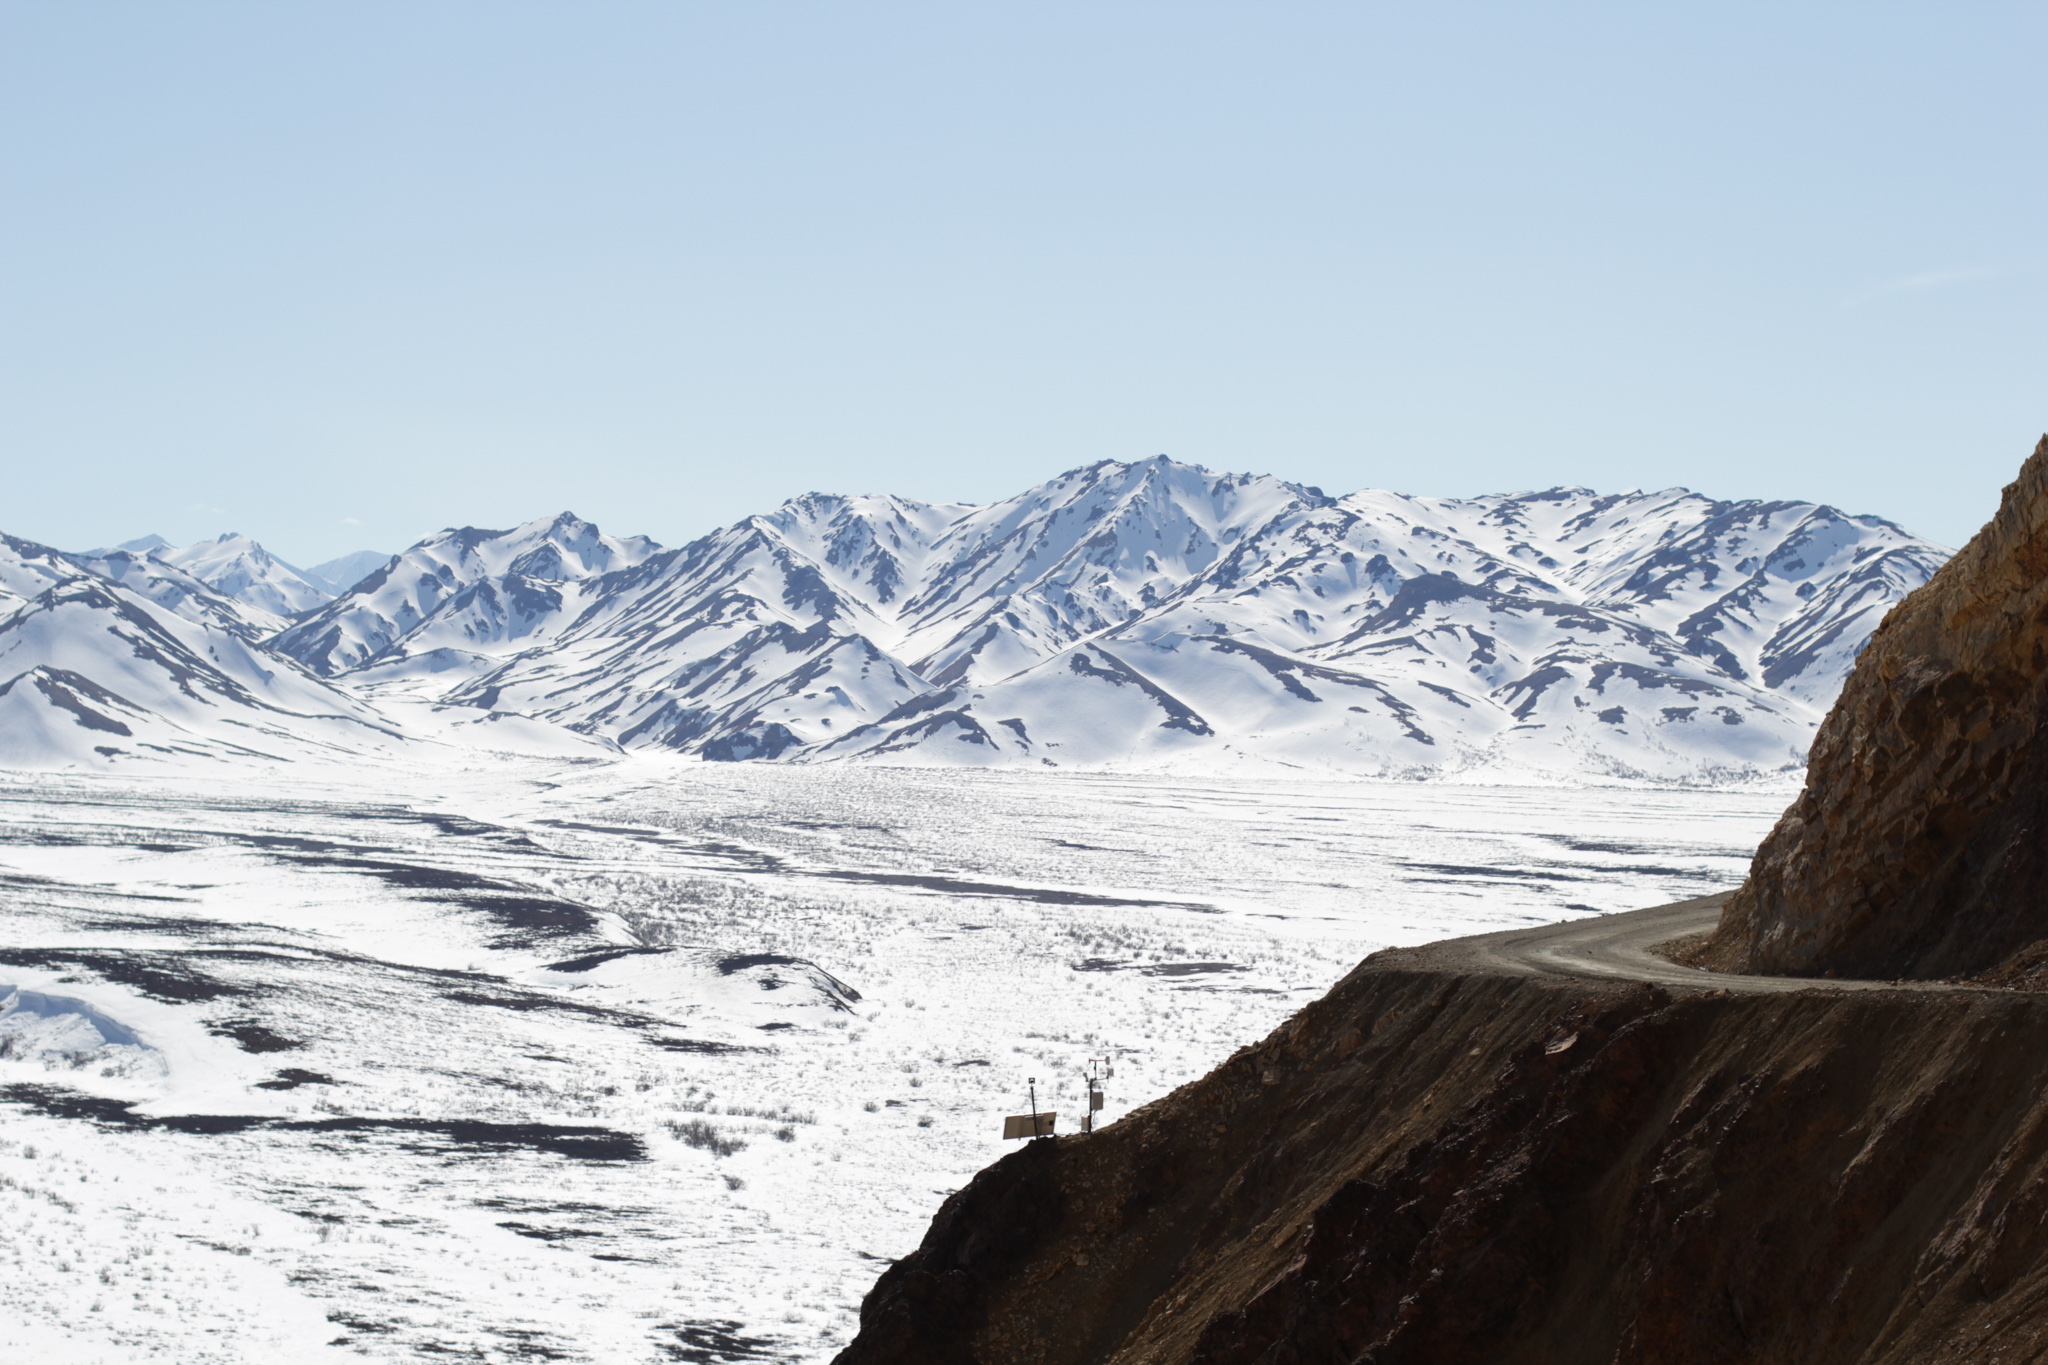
(658, 1060)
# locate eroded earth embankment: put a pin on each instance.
(1502, 1149)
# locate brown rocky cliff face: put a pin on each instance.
(1448, 1170)
(1441, 1165)
(1919, 847)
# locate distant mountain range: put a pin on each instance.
(239, 567)
(1153, 614)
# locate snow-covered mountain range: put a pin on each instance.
(120, 655)
(237, 566)
(461, 594)
(1152, 614)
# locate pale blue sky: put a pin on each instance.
(338, 274)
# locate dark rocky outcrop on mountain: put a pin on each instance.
(1434, 1168)
(1920, 845)
(1461, 1155)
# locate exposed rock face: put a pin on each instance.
(1920, 845)
(1437, 1169)
(1449, 1160)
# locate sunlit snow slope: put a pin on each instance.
(459, 597)
(141, 660)
(232, 565)
(240, 568)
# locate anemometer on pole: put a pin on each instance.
(1095, 1095)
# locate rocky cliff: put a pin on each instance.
(1439, 1167)
(1919, 847)
(1514, 1149)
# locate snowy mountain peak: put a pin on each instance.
(142, 545)
(466, 589)
(124, 656)
(563, 542)
(873, 545)
(237, 566)
(183, 594)
(27, 569)
(336, 576)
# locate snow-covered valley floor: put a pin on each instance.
(657, 1060)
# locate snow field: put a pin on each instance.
(118, 1250)
(560, 1060)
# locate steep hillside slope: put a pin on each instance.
(88, 668)
(1490, 1150)
(183, 593)
(736, 647)
(27, 569)
(1916, 848)
(124, 657)
(457, 597)
(1559, 1145)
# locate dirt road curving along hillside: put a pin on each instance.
(1551, 1144)
(1626, 947)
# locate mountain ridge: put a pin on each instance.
(880, 610)
(1148, 614)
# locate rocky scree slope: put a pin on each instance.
(1917, 848)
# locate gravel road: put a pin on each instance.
(1623, 947)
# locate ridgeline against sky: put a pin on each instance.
(1142, 615)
